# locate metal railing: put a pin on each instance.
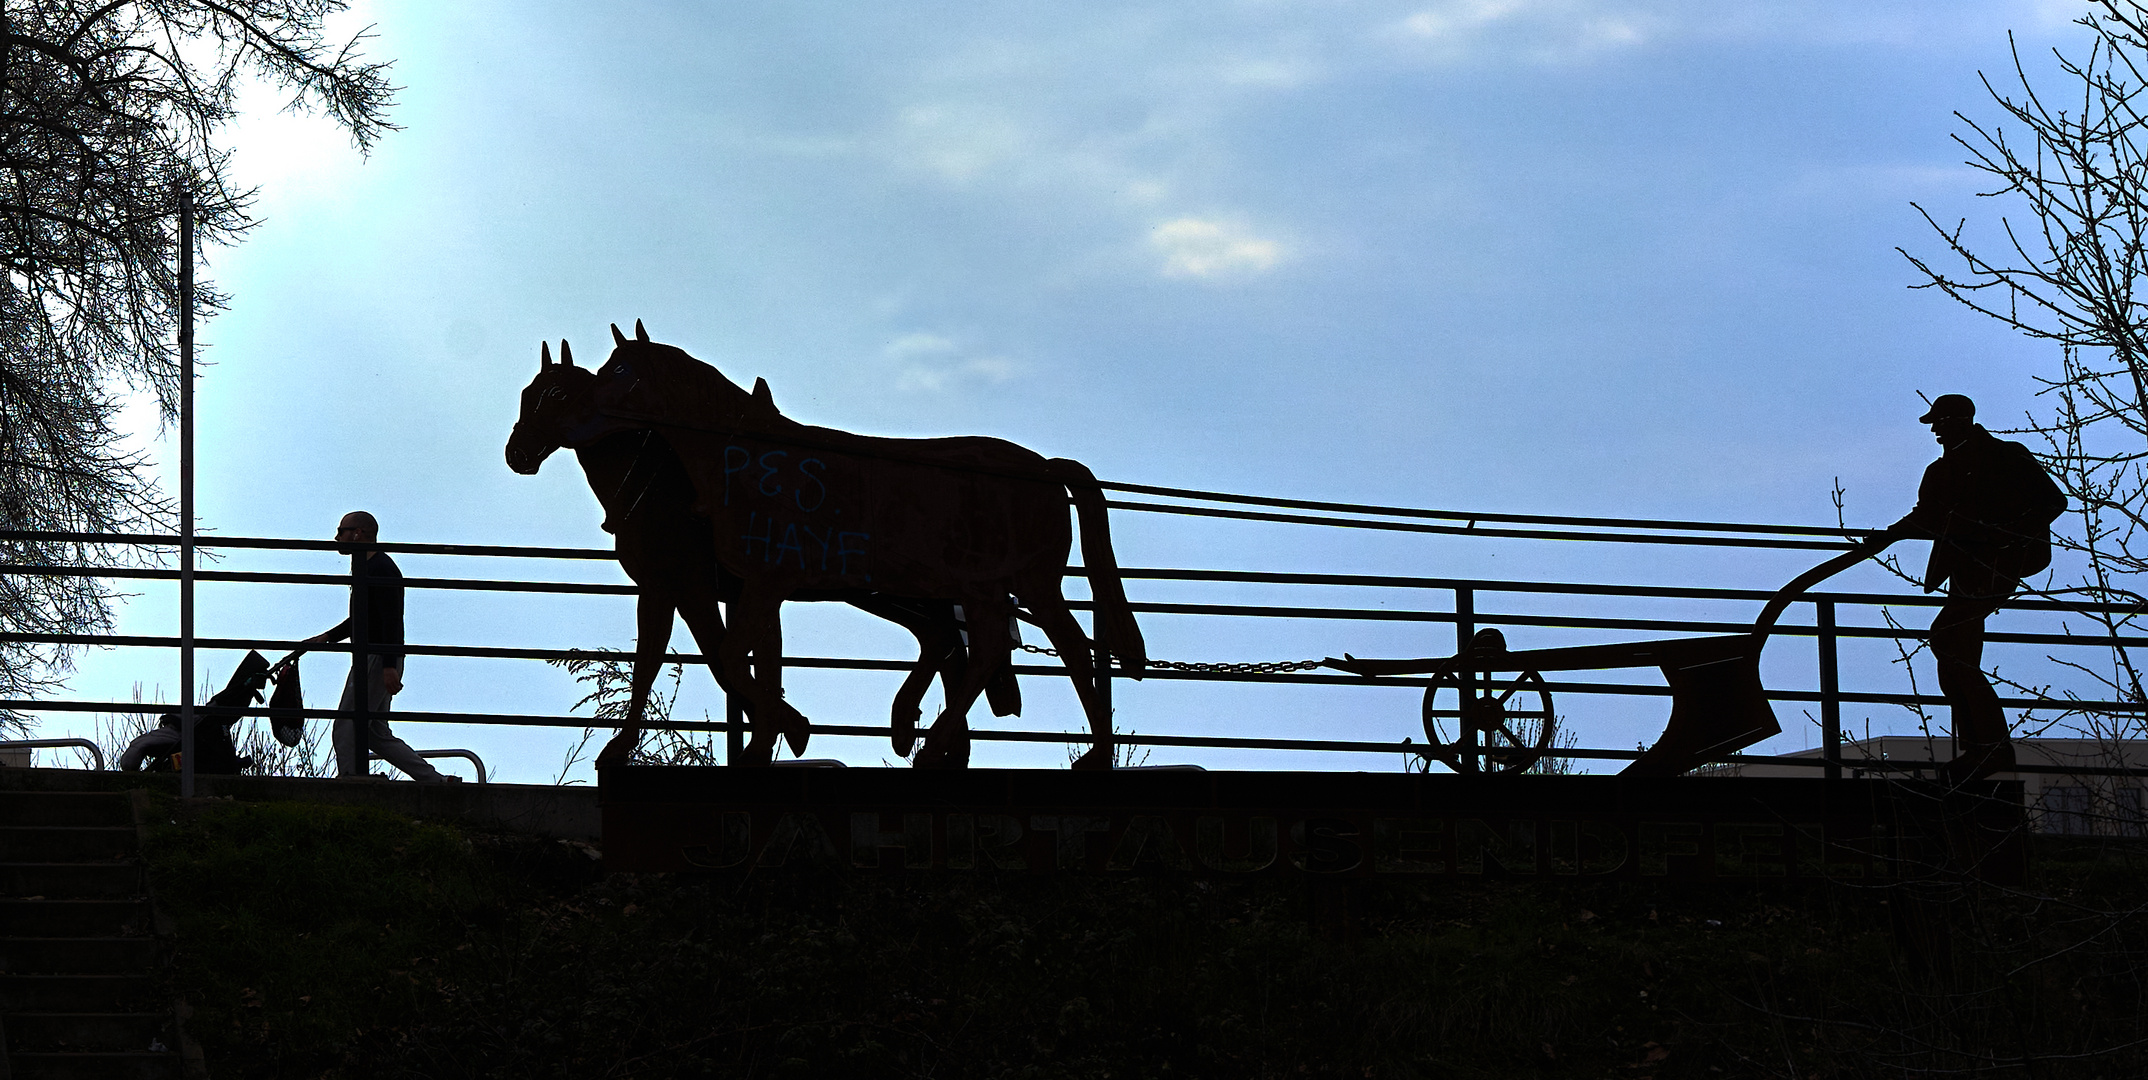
(467, 755)
(1464, 606)
(96, 753)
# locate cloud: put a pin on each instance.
(1194, 247)
(1540, 29)
(960, 142)
(934, 362)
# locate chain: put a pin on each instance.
(1234, 669)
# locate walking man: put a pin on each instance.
(1987, 506)
(384, 668)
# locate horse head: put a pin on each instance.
(559, 408)
(650, 379)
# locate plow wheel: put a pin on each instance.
(1502, 725)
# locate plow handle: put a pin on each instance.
(1871, 546)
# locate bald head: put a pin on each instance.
(358, 525)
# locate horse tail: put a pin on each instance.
(1114, 614)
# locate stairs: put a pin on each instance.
(80, 951)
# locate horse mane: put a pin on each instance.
(692, 387)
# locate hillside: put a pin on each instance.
(345, 942)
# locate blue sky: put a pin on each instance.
(1547, 256)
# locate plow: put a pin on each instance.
(1503, 715)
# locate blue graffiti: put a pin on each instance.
(745, 458)
(844, 551)
(765, 538)
(769, 471)
(775, 549)
(788, 543)
(798, 496)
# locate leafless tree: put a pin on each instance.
(108, 108)
(2067, 263)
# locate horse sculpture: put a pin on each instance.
(970, 521)
(666, 547)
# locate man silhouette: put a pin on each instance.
(1987, 506)
(384, 669)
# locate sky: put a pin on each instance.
(1538, 256)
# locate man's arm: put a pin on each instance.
(388, 628)
(337, 632)
(1928, 519)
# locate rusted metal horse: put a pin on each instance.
(666, 548)
(973, 521)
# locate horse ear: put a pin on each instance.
(762, 396)
(566, 353)
(639, 333)
(617, 337)
(544, 355)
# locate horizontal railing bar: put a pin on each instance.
(1369, 614)
(1130, 738)
(1464, 530)
(1163, 675)
(1666, 592)
(1458, 515)
(278, 578)
(279, 543)
(1907, 633)
(1592, 623)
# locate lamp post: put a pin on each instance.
(186, 489)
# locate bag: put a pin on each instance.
(288, 729)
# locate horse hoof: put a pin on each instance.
(903, 734)
(619, 751)
(939, 757)
(1098, 759)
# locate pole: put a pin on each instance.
(734, 729)
(361, 667)
(1465, 629)
(186, 489)
(1830, 691)
(1102, 649)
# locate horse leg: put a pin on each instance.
(947, 746)
(938, 649)
(704, 619)
(760, 749)
(1003, 693)
(755, 640)
(652, 617)
(1049, 609)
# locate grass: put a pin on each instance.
(337, 942)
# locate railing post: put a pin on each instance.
(734, 731)
(1465, 628)
(1103, 662)
(734, 708)
(186, 488)
(1830, 690)
(361, 664)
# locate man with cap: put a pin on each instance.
(1987, 506)
(384, 669)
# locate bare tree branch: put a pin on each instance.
(108, 108)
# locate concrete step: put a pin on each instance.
(66, 808)
(96, 1066)
(70, 881)
(78, 955)
(47, 1032)
(66, 843)
(77, 918)
(77, 993)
